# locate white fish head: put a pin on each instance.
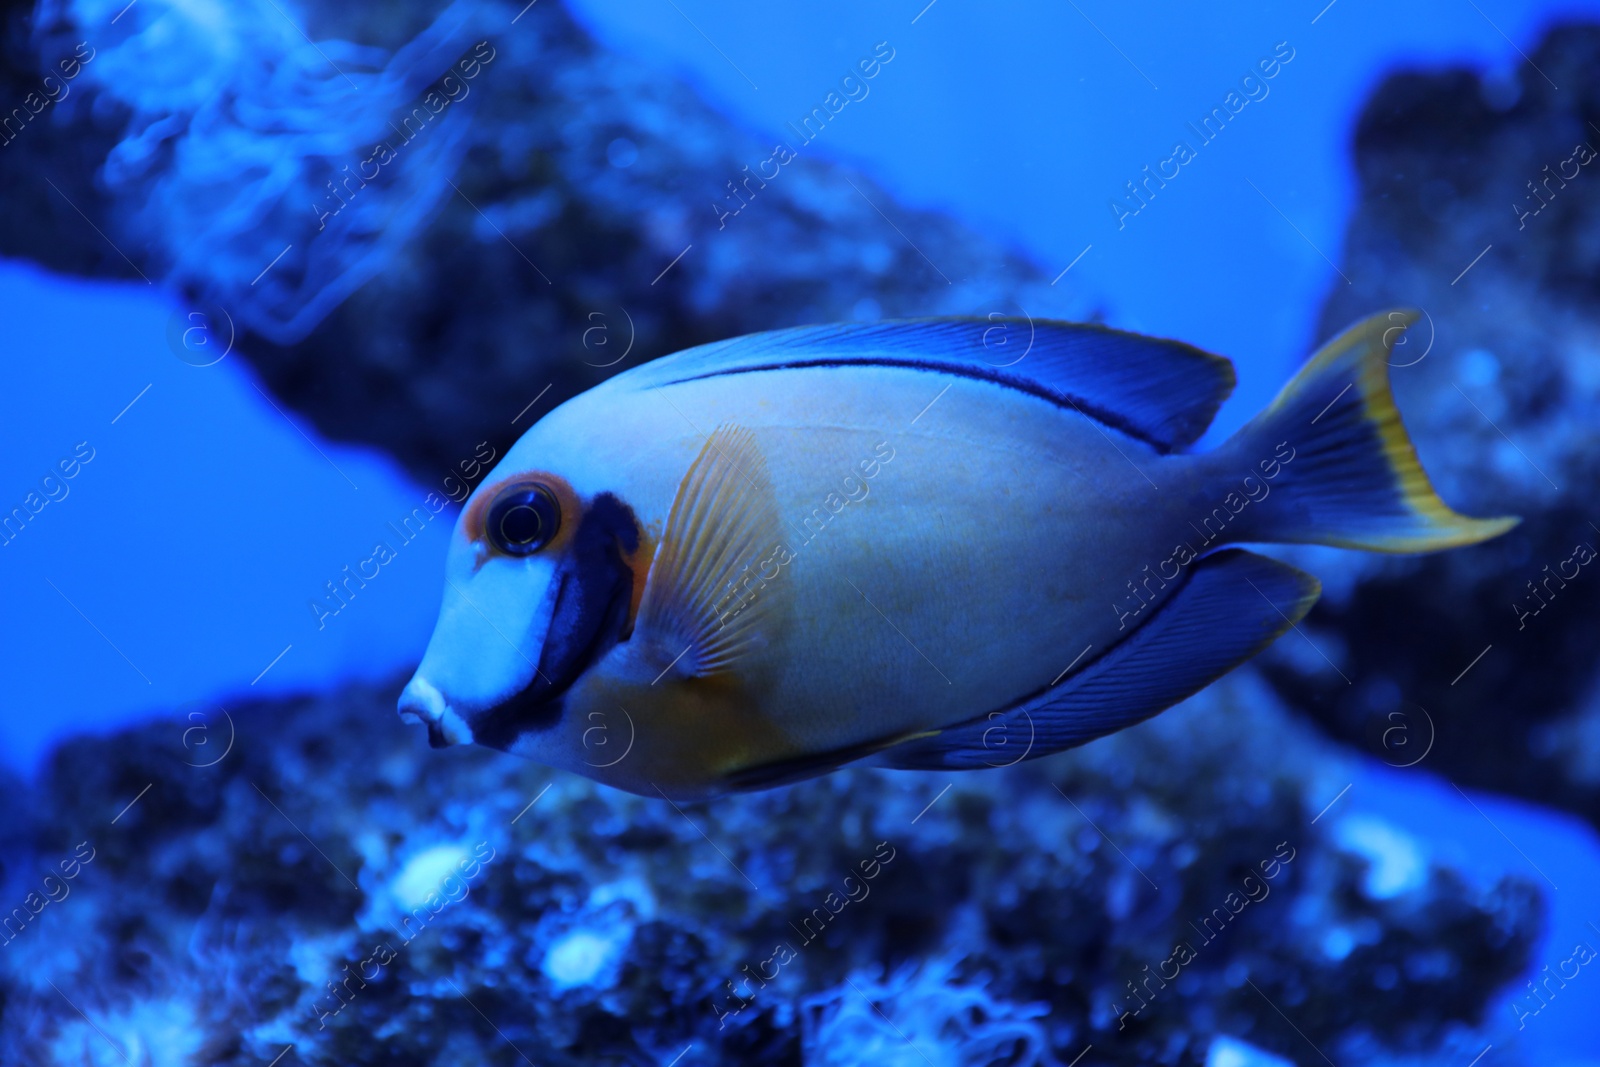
(539, 584)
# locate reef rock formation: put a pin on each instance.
(1478, 206)
(501, 208)
(309, 873)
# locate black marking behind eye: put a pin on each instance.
(594, 590)
(595, 581)
(612, 518)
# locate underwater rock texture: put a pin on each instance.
(471, 908)
(1478, 205)
(468, 907)
(64, 144)
(1473, 206)
(564, 214)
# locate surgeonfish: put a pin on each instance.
(755, 561)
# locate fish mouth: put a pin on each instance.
(586, 623)
(421, 702)
(589, 619)
(583, 610)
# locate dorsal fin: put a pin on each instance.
(705, 594)
(1162, 392)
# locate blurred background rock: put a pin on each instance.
(573, 183)
(530, 247)
(1465, 214)
(1014, 917)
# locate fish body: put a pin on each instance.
(772, 556)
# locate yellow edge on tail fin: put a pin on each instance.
(1366, 347)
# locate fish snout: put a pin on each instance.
(422, 702)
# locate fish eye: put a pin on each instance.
(523, 519)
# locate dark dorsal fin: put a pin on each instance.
(1162, 392)
(1234, 604)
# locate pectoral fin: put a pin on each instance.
(706, 606)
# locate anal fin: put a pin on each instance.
(1234, 604)
(812, 764)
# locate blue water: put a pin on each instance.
(183, 559)
(1492, 835)
(180, 565)
(1023, 119)
(1020, 119)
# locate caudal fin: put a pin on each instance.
(1351, 477)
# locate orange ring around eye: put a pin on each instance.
(475, 522)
